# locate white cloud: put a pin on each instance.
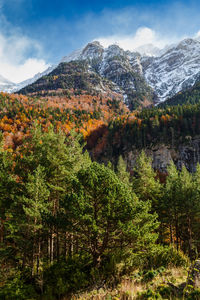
(19, 57)
(142, 36)
(197, 35)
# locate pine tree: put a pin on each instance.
(122, 173)
(171, 202)
(35, 205)
(60, 158)
(106, 216)
(145, 184)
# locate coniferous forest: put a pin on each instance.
(99, 150)
(72, 225)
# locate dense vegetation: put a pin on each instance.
(86, 76)
(69, 223)
(142, 129)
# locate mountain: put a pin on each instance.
(95, 69)
(33, 79)
(176, 70)
(189, 96)
(10, 87)
(5, 84)
(148, 50)
(148, 75)
(167, 71)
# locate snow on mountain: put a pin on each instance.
(177, 69)
(91, 51)
(167, 71)
(10, 87)
(33, 79)
(5, 84)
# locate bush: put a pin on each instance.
(65, 277)
(19, 288)
(194, 295)
(158, 257)
(149, 275)
(149, 294)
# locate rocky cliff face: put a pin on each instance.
(187, 154)
(176, 70)
(123, 68)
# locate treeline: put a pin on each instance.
(68, 223)
(141, 129)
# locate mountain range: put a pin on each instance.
(143, 77)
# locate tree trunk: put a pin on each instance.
(190, 238)
(171, 237)
(49, 247)
(52, 247)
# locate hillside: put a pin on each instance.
(56, 200)
(189, 96)
(86, 75)
(141, 78)
(166, 134)
(109, 128)
(70, 224)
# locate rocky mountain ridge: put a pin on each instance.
(111, 67)
(168, 71)
(154, 78)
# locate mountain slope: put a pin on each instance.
(168, 71)
(175, 70)
(5, 84)
(189, 96)
(141, 78)
(96, 69)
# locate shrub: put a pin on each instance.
(160, 257)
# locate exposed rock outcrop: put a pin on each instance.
(187, 153)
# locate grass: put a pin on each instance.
(140, 285)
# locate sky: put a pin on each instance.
(35, 34)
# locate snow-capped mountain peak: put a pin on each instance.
(167, 71)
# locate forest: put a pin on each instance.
(70, 224)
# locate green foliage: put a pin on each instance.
(122, 172)
(65, 277)
(149, 294)
(180, 208)
(159, 256)
(18, 288)
(103, 209)
(69, 222)
(144, 184)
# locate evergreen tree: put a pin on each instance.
(35, 205)
(122, 173)
(145, 184)
(106, 216)
(171, 203)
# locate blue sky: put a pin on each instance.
(35, 33)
